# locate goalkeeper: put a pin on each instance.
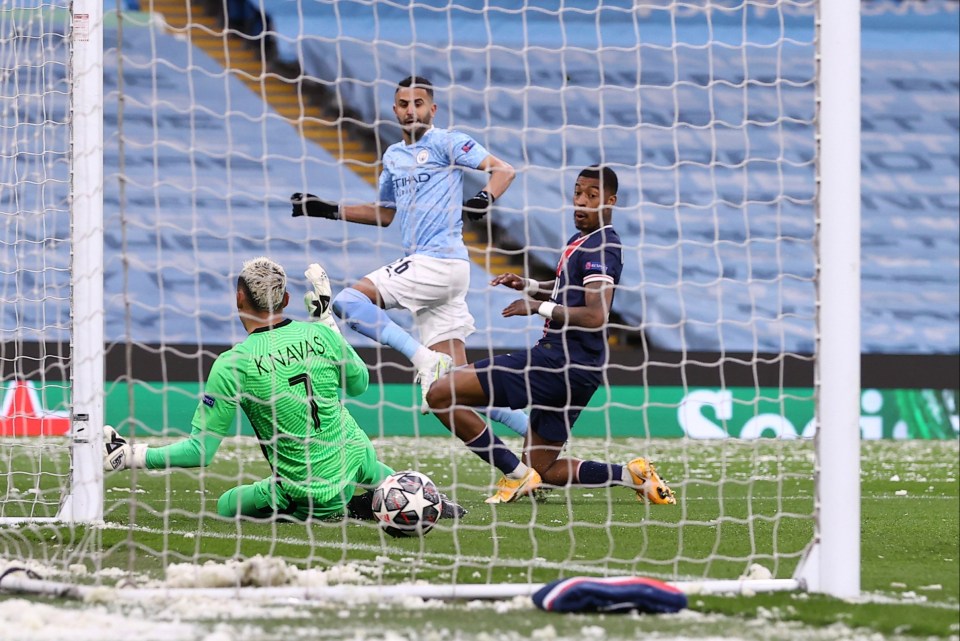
(285, 377)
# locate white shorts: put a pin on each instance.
(435, 292)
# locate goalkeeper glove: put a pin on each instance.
(310, 205)
(478, 206)
(120, 455)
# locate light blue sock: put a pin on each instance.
(366, 318)
(516, 420)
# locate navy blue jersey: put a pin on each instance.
(596, 257)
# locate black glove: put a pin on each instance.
(478, 206)
(310, 205)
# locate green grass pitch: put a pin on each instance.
(738, 503)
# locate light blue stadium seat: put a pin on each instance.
(720, 248)
(719, 254)
(208, 168)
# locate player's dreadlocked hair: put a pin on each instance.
(264, 282)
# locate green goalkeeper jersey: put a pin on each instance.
(286, 379)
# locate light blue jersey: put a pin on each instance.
(424, 183)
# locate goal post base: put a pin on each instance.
(66, 515)
(84, 507)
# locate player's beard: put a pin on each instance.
(417, 128)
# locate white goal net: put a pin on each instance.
(213, 113)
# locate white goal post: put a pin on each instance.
(163, 122)
(84, 503)
(834, 564)
(30, 83)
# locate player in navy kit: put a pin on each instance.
(421, 186)
(559, 375)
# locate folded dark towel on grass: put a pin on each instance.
(623, 594)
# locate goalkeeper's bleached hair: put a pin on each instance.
(265, 283)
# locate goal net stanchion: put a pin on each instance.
(832, 563)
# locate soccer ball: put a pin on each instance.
(407, 504)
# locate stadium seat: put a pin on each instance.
(720, 249)
(209, 168)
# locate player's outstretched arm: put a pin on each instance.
(316, 207)
(369, 214)
(538, 290)
(598, 297)
(197, 450)
(593, 314)
(212, 421)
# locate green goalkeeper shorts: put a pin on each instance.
(270, 497)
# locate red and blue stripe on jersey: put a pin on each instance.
(596, 257)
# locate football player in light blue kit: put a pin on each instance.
(421, 186)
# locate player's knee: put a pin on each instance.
(551, 472)
(227, 504)
(438, 398)
(544, 458)
(345, 303)
(339, 303)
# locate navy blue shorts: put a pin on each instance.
(544, 379)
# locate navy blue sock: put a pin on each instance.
(594, 473)
(492, 450)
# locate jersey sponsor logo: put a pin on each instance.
(600, 267)
(423, 156)
(414, 179)
(208, 400)
(293, 353)
(468, 146)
